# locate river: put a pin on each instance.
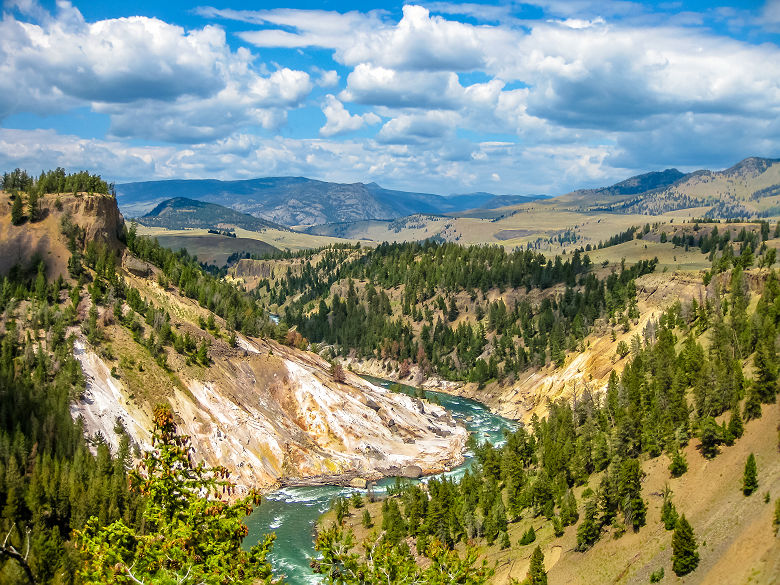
(293, 512)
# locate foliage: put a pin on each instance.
(325, 305)
(17, 210)
(750, 477)
(679, 464)
(190, 534)
(528, 537)
(685, 557)
(56, 181)
(669, 514)
(383, 562)
(50, 480)
(536, 573)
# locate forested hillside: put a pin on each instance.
(686, 381)
(439, 317)
(82, 507)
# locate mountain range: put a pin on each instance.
(301, 201)
(748, 189)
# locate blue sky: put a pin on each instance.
(511, 97)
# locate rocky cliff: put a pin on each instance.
(272, 414)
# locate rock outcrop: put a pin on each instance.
(272, 414)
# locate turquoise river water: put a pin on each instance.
(293, 512)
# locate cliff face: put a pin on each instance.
(272, 414)
(98, 215)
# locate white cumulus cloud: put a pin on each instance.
(340, 121)
(156, 80)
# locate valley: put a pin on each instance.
(551, 373)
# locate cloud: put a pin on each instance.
(340, 121)
(581, 71)
(448, 167)
(582, 95)
(434, 124)
(154, 79)
(327, 78)
(418, 42)
(374, 85)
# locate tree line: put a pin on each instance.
(664, 397)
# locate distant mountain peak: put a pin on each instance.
(644, 182)
(753, 165)
(183, 212)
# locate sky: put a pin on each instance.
(541, 96)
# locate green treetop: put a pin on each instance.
(536, 573)
(750, 479)
(190, 535)
(685, 557)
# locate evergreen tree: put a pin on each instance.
(17, 210)
(669, 514)
(736, 426)
(766, 382)
(710, 436)
(589, 530)
(569, 514)
(750, 477)
(187, 538)
(752, 408)
(33, 207)
(630, 493)
(557, 526)
(685, 557)
(367, 523)
(528, 536)
(536, 573)
(679, 464)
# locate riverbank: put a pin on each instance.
(292, 511)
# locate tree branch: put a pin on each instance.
(8, 550)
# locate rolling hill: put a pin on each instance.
(182, 213)
(750, 188)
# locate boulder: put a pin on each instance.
(411, 471)
(358, 482)
(137, 267)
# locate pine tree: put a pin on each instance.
(367, 523)
(588, 531)
(750, 478)
(630, 493)
(765, 384)
(528, 536)
(685, 557)
(536, 573)
(17, 210)
(710, 436)
(557, 526)
(679, 465)
(569, 514)
(752, 409)
(736, 426)
(33, 207)
(669, 514)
